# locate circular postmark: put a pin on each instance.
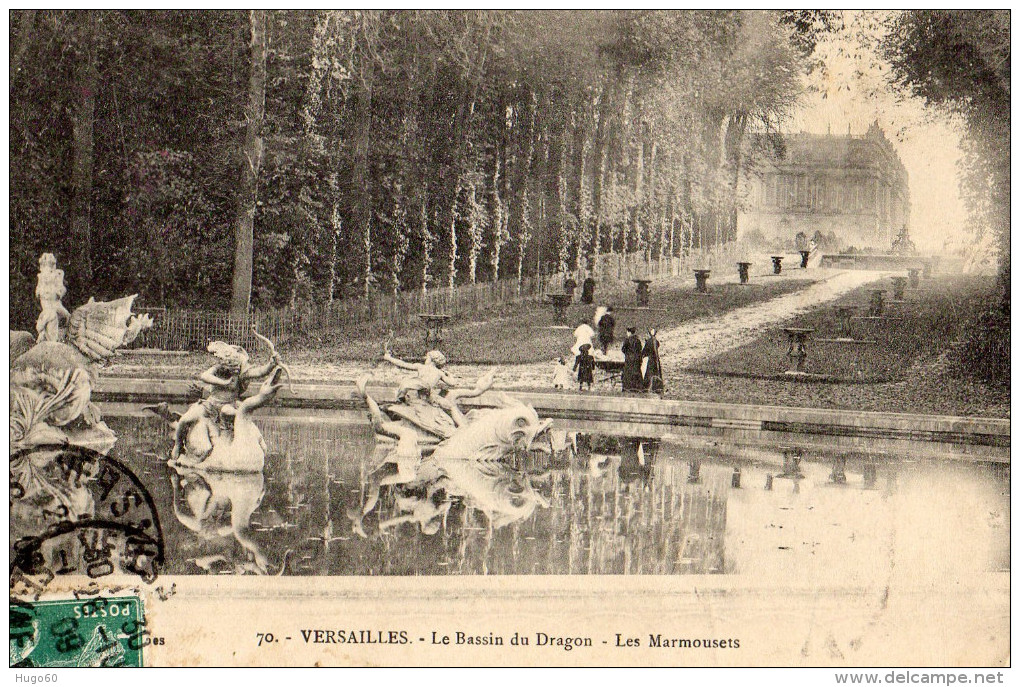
(75, 511)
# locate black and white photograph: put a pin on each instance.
(504, 337)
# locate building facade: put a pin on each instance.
(852, 186)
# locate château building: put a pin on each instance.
(852, 186)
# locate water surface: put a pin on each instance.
(597, 505)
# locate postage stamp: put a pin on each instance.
(78, 633)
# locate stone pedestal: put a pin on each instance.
(701, 280)
(876, 306)
(791, 464)
(899, 288)
(569, 286)
(844, 318)
(797, 352)
(433, 325)
(642, 291)
(870, 475)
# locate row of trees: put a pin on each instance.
(275, 157)
(959, 62)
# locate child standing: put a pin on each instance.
(562, 376)
(584, 364)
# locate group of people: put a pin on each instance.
(642, 370)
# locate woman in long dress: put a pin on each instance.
(653, 367)
(632, 348)
(584, 334)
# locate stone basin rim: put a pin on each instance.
(174, 390)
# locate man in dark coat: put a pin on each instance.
(632, 362)
(588, 290)
(606, 325)
(653, 369)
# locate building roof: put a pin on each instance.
(872, 151)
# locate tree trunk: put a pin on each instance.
(523, 236)
(566, 231)
(475, 228)
(461, 126)
(428, 242)
(581, 204)
(413, 186)
(335, 231)
(672, 224)
(648, 157)
(360, 176)
(599, 177)
(501, 193)
(327, 228)
(524, 181)
(498, 218)
(639, 229)
(664, 227)
(453, 255)
(734, 139)
(244, 219)
(82, 125)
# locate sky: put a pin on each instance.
(853, 90)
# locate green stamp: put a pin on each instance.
(99, 632)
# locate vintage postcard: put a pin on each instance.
(511, 338)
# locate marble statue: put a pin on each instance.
(232, 443)
(49, 290)
(431, 446)
(903, 245)
(51, 379)
(217, 432)
(227, 380)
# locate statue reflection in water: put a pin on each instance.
(496, 489)
(443, 456)
(217, 506)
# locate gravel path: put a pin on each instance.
(693, 341)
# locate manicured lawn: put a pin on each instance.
(931, 392)
(526, 333)
(906, 370)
